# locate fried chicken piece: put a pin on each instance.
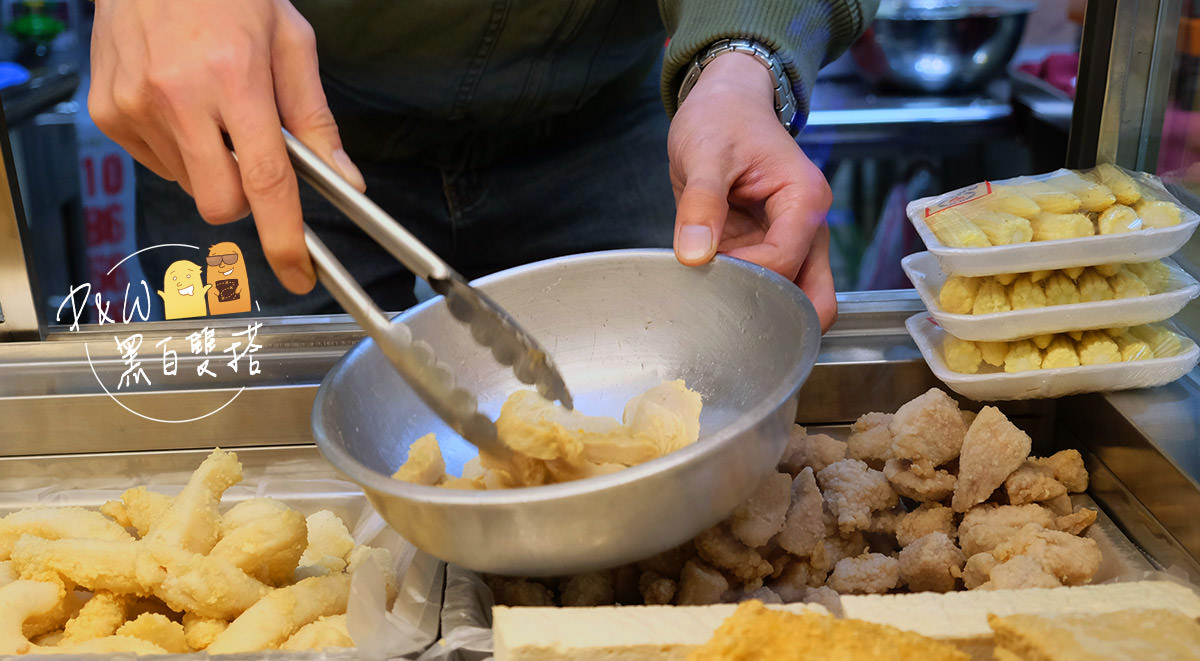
(700, 584)
(815, 450)
(718, 547)
(1068, 468)
(1061, 505)
(424, 463)
(1072, 560)
(792, 582)
(926, 519)
(792, 461)
(928, 428)
(1019, 573)
(986, 526)
(199, 631)
(669, 563)
(282, 612)
(157, 629)
(19, 601)
(763, 594)
(804, 525)
(520, 592)
(328, 544)
(885, 522)
(264, 538)
(138, 508)
(656, 589)
(589, 589)
(57, 523)
(869, 573)
(95, 564)
(762, 515)
(193, 522)
(99, 616)
(833, 550)
(326, 632)
(824, 595)
(978, 570)
(931, 563)
(196, 583)
(871, 439)
(903, 477)
(992, 449)
(1076, 522)
(1033, 483)
(853, 491)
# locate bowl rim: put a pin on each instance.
(373, 481)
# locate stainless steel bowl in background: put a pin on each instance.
(616, 323)
(939, 46)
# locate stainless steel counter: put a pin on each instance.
(55, 416)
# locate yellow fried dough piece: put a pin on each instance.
(1126, 284)
(1025, 293)
(1118, 219)
(1093, 196)
(1093, 287)
(1161, 341)
(1056, 226)
(193, 521)
(1061, 290)
(1156, 275)
(100, 616)
(1123, 187)
(56, 523)
(264, 538)
(1132, 348)
(1097, 348)
(19, 601)
(961, 356)
(1157, 214)
(156, 628)
(199, 632)
(329, 543)
(755, 632)
(138, 508)
(424, 464)
(1022, 356)
(281, 613)
(957, 295)
(1003, 228)
(1060, 353)
(993, 352)
(991, 297)
(328, 631)
(1042, 341)
(955, 230)
(196, 583)
(95, 564)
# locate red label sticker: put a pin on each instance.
(968, 194)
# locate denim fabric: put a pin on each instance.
(603, 184)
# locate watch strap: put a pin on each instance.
(785, 99)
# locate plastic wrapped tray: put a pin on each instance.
(922, 269)
(1142, 245)
(1047, 383)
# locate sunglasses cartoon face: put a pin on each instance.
(216, 260)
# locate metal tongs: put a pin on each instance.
(490, 325)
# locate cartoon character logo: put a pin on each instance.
(183, 293)
(226, 272)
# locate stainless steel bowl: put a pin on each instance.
(938, 46)
(616, 323)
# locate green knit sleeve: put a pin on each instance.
(805, 34)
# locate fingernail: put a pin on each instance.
(348, 169)
(695, 241)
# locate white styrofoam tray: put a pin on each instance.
(922, 269)
(1048, 383)
(1128, 247)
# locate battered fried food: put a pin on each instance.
(700, 584)
(871, 439)
(931, 563)
(986, 526)
(157, 629)
(992, 449)
(278, 615)
(721, 549)
(762, 515)
(57, 523)
(804, 526)
(327, 632)
(853, 491)
(100, 616)
(1071, 559)
(755, 632)
(816, 451)
(1068, 468)
(928, 429)
(869, 573)
(264, 538)
(95, 564)
(138, 508)
(1032, 483)
(931, 486)
(927, 518)
(328, 544)
(19, 601)
(193, 520)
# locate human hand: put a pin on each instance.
(169, 78)
(743, 187)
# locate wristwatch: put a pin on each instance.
(785, 99)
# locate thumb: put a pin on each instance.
(700, 219)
